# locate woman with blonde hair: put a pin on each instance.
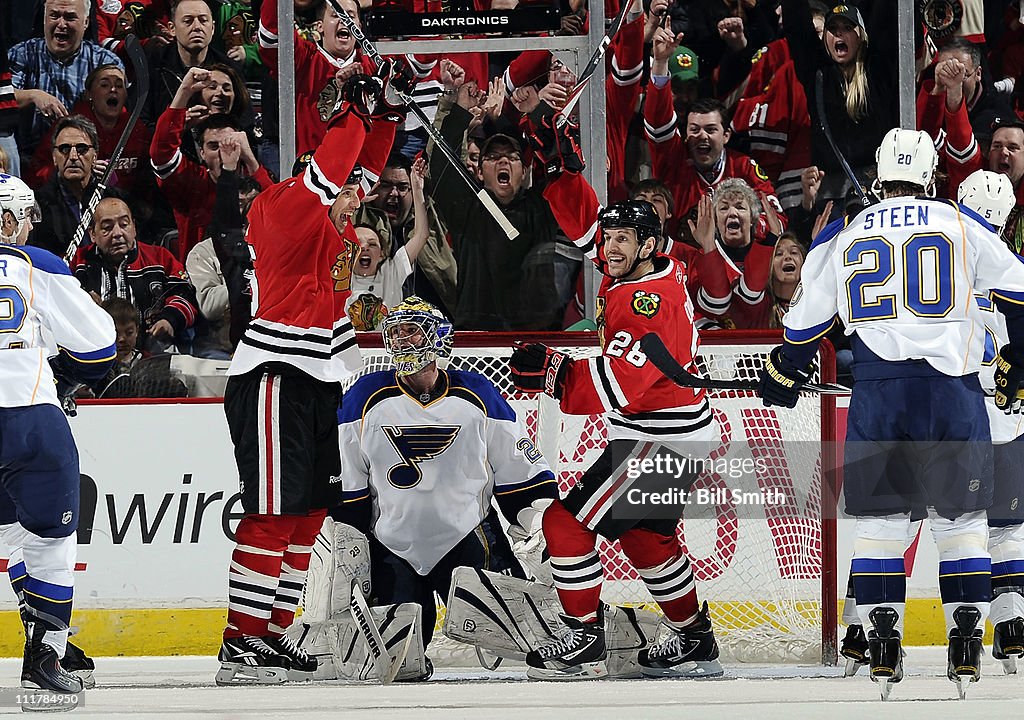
(856, 63)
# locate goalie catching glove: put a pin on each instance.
(536, 368)
(528, 544)
(781, 380)
(1009, 376)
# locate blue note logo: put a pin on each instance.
(416, 444)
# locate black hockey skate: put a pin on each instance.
(691, 652)
(42, 669)
(885, 649)
(1008, 643)
(965, 648)
(248, 660)
(301, 665)
(578, 653)
(76, 662)
(855, 649)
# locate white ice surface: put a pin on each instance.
(183, 687)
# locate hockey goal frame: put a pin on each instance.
(587, 343)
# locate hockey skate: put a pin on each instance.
(76, 662)
(885, 649)
(965, 648)
(1008, 643)
(42, 669)
(301, 666)
(691, 652)
(577, 653)
(248, 660)
(855, 649)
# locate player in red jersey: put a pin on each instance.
(648, 415)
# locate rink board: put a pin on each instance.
(159, 507)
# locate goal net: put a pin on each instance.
(766, 570)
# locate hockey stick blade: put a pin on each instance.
(141, 70)
(439, 142)
(819, 101)
(591, 67)
(382, 665)
(659, 355)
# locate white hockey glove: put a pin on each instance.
(528, 544)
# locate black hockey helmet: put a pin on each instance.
(637, 214)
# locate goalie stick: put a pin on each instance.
(138, 60)
(591, 67)
(657, 353)
(819, 101)
(456, 162)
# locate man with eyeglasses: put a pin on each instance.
(68, 191)
(390, 214)
(49, 73)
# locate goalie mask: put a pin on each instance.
(990, 195)
(17, 207)
(907, 156)
(416, 334)
(639, 215)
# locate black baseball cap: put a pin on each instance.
(850, 13)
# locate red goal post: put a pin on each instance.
(768, 572)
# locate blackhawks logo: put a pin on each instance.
(367, 312)
(328, 99)
(341, 271)
(646, 304)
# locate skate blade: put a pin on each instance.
(884, 687)
(299, 676)
(247, 675)
(583, 671)
(86, 676)
(1009, 666)
(691, 670)
(852, 667)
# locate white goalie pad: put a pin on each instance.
(340, 555)
(342, 651)
(508, 617)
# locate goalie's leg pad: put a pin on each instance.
(666, 572)
(509, 617)
(342, 652)
(340, 554)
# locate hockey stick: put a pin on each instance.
(657, 353)
(591, 67)
(456, 162)
(819, 101)
(138, 60)
(382, 665)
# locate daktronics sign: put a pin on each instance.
(470, 21)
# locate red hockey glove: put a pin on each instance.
(537, 368)
(559, 147)
(1009, 378)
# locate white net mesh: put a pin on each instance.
(758, 566)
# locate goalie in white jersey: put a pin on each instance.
(43, 313)
(424, 451)
(902, 278)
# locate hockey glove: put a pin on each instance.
(559, 148)
(359, 95)
(536, 368)
(67, 384)
(781, 380)
(396, 78)
(528, 543)
(1009, 377)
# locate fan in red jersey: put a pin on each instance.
(648, 415)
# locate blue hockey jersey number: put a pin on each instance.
(928, 276)
(12, 309)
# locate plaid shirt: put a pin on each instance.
(34, 68)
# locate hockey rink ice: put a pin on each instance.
(182, 687)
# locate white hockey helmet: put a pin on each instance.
(18, 199)
(907, 156)
(989, 194)
(436, 341)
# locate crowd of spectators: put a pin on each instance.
(713, 116)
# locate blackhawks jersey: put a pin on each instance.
(640, 402)
(432, 469)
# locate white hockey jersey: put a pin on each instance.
(903, 276)
(43, 311)
(431, 470)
